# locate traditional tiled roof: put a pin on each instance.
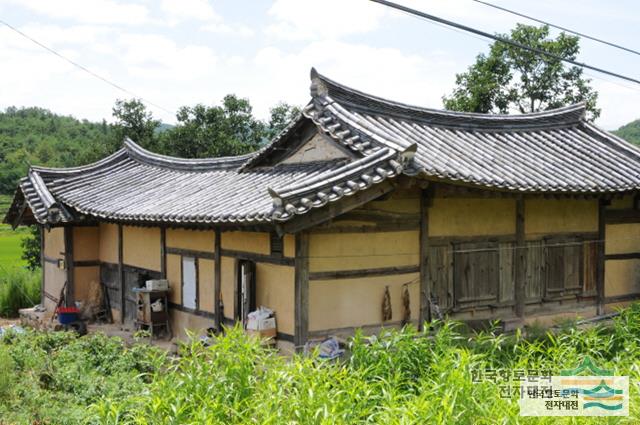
(548, 152)
(553, 151)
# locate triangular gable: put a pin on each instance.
(319, 148)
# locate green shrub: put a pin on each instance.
(19, 288)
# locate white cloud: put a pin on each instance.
(238, 30)
(158, 57)
(73, 35)
(177, 11)
(89, 12)
(328, 19)
(386, 72)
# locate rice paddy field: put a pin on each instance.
(10, 249)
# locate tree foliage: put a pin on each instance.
(133, 120)
(630, 132)
(31, 248)
(509, 78)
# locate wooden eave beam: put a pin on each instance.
(334, 209)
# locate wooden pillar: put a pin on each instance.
(217, 281)
(301, 289)
(123, 297)
(68, 261)
(426, 198)
(520, 264)
(602, 203)
(42, 264)
(163, 253)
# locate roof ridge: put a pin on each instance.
(80, 168)
(324, 87)
(143, 155)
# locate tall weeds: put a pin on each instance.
(398, 377)
(19, 288)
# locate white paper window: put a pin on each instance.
(189, 282)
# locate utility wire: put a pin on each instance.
(500, 39)
(583, 35)
(85, 69)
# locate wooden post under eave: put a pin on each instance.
(68, 260)
(426, 197)
(42, 264)
(163, 253)
(301, 289)
(217, 282)
(520, 260)
(602, 203)
(121, 274)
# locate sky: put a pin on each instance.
(173, 53)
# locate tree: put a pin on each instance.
(134, 121)
(510, 78)
(212, 131)
(281, 115)
(31, 248)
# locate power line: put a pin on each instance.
(500, 39)
(85, 69)
(583, 35)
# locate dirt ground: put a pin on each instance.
(8, 322)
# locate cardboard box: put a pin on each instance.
(266, 333)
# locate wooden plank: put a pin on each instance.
(359, 273)
(86, 263)
(331, 210)
(441, 275)
(121, 274)
(621, 216)
(623, 256)
(600, 254)
(426, 292)
(337, 227)
(534, 271)
(301, 289)
(476, 273)
(520, 266)
(190, 253)
(42, 261)
(217, 280)
(590, 274)
(68, 260)
(507, 272)
(258, 258)
(163, 252)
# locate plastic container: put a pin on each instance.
(67, 315)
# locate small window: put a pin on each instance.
(189, 283)
(277, 245)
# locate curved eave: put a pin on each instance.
(325, 90)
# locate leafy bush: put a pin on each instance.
(55, 376)
(19, 288)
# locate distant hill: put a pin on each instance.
(40, 137)
(630, 132)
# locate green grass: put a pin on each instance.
(10, 248)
